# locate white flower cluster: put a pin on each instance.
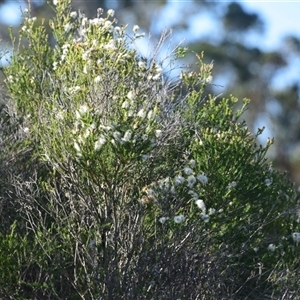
(191, 178)
(177, 219)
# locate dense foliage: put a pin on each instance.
(120, 181)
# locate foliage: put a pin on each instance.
(129, 184)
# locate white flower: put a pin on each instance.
(158, 133)
(205, 217)
(127, 136)
(74, 89)
(96, 21)
(296, 237)
(188, 171)
(256, 249)
(110, 45)
(179, 218)
(209, 79)
(191, 181)
(117, 135)
(67, 27)
(107, 25)
(131, 95)
(162, 220)
(156, 77)
(84, 21)
(118, 30)
(97, 79)
(111, 12)
(200, 203)
(150, 115)
(99, 143)
(192, 163)
(55, 2)
(178, 180)
(202, 178)
(86, 55)
(271, 247)
(135, 28)
(141, 113)
(73, 14)
(76, 146)
(125, 105)
(268, 181)
(141, 65)
(211, 211)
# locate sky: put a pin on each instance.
(281, 17)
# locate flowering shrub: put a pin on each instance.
(127, 184)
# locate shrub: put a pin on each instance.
(129, 184)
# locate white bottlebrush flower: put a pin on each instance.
(73, 14)
(111, 12)
(205, 217)
(179, 219)
(135, 28)
(191, 180)
(55, 2)
(99, 143)
(296, 237)
(188, 171)
(202, 178)
(200, 203)
(271, 247)
(162, 220)
(178, 180)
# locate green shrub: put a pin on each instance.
(135, 184)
